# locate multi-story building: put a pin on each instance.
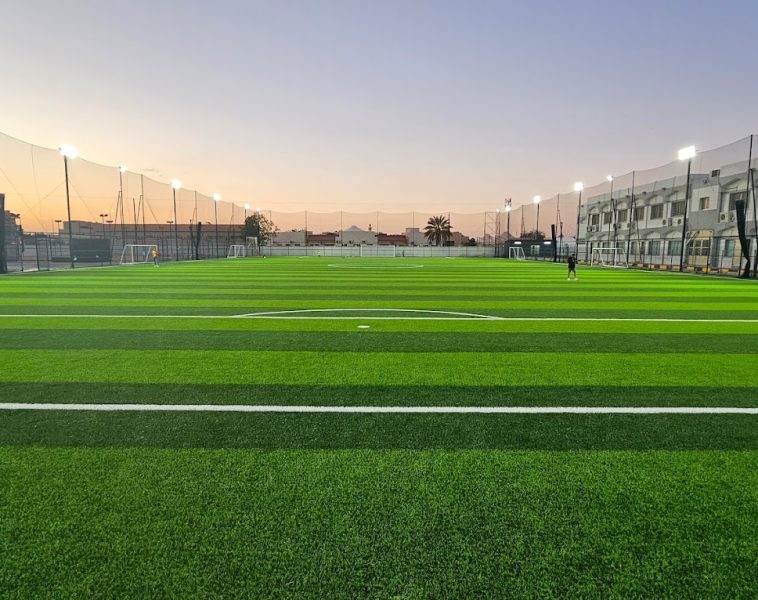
(647, 223)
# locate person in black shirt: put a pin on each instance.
(572, 267)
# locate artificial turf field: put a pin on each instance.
(344, 505)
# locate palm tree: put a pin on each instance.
(437, 230)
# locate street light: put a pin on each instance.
(537, 200)
(687, 154)
(121, 171)
(578, 187)
(216, 200)
(176, 185)
(508, 224)
(68, 151)
(247, 207)
(102, 216)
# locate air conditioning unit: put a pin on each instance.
(723, 216)
(679, 221)
(665, 222)
(592, 228)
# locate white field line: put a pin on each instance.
(290, 315)
(245, 408)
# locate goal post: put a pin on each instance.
(605, 256)
(137, 254)
(516, 253)
(237, 251)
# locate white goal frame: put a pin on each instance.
(605, 256)
(516, 253)
(237, 251)
(132, 254)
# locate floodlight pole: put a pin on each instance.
(632, 208)
(68, 211)
(216, 199)
(578, 215)
(684, 219)
(176, 231)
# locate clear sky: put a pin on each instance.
(392, 105)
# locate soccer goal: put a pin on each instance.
(605, 257)
(237, 251)
(137, 254)
(516, 252)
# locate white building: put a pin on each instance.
(646, 223)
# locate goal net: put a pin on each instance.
(605, 257)
(517, 253)
(237, 251)
(135, 254)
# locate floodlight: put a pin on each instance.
(609, 178)
(69, 151)
(176, 184)
(687, 153)
(247, 206)
(537, 199)
(578, 186)
(216, 196)
(122, 168)
(507, 208)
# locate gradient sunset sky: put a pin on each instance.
(390, 105)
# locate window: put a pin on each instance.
(734, 196)
(623, 215)
(595, 219)
(607, 218)
(699, 247)
(675, 247)
(656, 211)
(677, 208)
(729, 248)
(639, 213)
(654, 247)
(705, 203)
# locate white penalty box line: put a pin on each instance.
(494, 410)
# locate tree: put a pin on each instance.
(437, 230)
(537, 236)
(259, 227)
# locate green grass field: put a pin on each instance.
(347, 505)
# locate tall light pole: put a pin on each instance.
(508, 209)
(121, 171)
(687, 154)
(537, 200)
(176, 185)
(69, 152)
(247, 207)
(216, 200)
(578, 187)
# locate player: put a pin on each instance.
(154, 256)
(571, 267)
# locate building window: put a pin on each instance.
(705, 203)
(733, 197)
(623, 215)
(595, 219)
(675, 247)
(607, 218)
(654, 247)
(639, 213)
(729, 248)
(677, 208)
(699, 247)
(656, 211)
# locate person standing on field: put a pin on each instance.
(154, 255)
(571, 267)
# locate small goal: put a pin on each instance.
(516, 253)
(605, 257)
(137, 254)
(236, 251)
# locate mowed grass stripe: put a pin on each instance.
(373, 341)
(379, 431)
(382, 395)
(406, 325)
(383, 368)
